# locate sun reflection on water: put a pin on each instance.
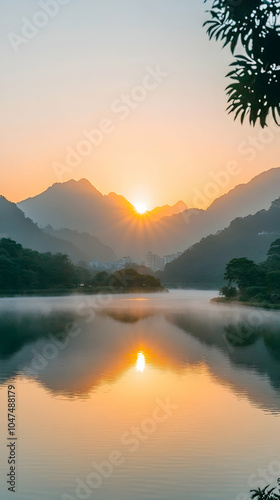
(140, 363)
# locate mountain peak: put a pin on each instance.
(119, 199)
(167, 210)
(180, 205)
(81, 183)
(84, 182)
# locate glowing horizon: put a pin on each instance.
(141, 208)
(145, 116)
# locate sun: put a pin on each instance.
(140, 208)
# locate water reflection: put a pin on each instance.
(71, 353)
(19, 329)
(140, 363)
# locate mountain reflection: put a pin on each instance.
(18, 330)
(71, 356)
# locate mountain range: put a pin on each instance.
(167, 211)
(79, 206)
(204, 263)
(80, 247)
(245, 199)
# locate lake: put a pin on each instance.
(128, 397)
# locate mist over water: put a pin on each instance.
(78, 357)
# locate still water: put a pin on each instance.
(160, 396)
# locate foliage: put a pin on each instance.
(24, 269)
(265, 494)
(272, 268)
(256, 283)
(254, 294)
(229, 292)
(252, 25)
(126, 279)
(274, 251)
(243, 272)
(204, 263)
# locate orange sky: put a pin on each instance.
(163, 137)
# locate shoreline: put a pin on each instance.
(78, 291)
(267, 305)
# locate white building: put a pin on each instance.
(154, 261)
(157, 263)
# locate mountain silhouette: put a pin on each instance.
(205, 262)
(167, 211)
(78, 205)
(190, 227)
(14, 224)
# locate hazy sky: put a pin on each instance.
(91, 64)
